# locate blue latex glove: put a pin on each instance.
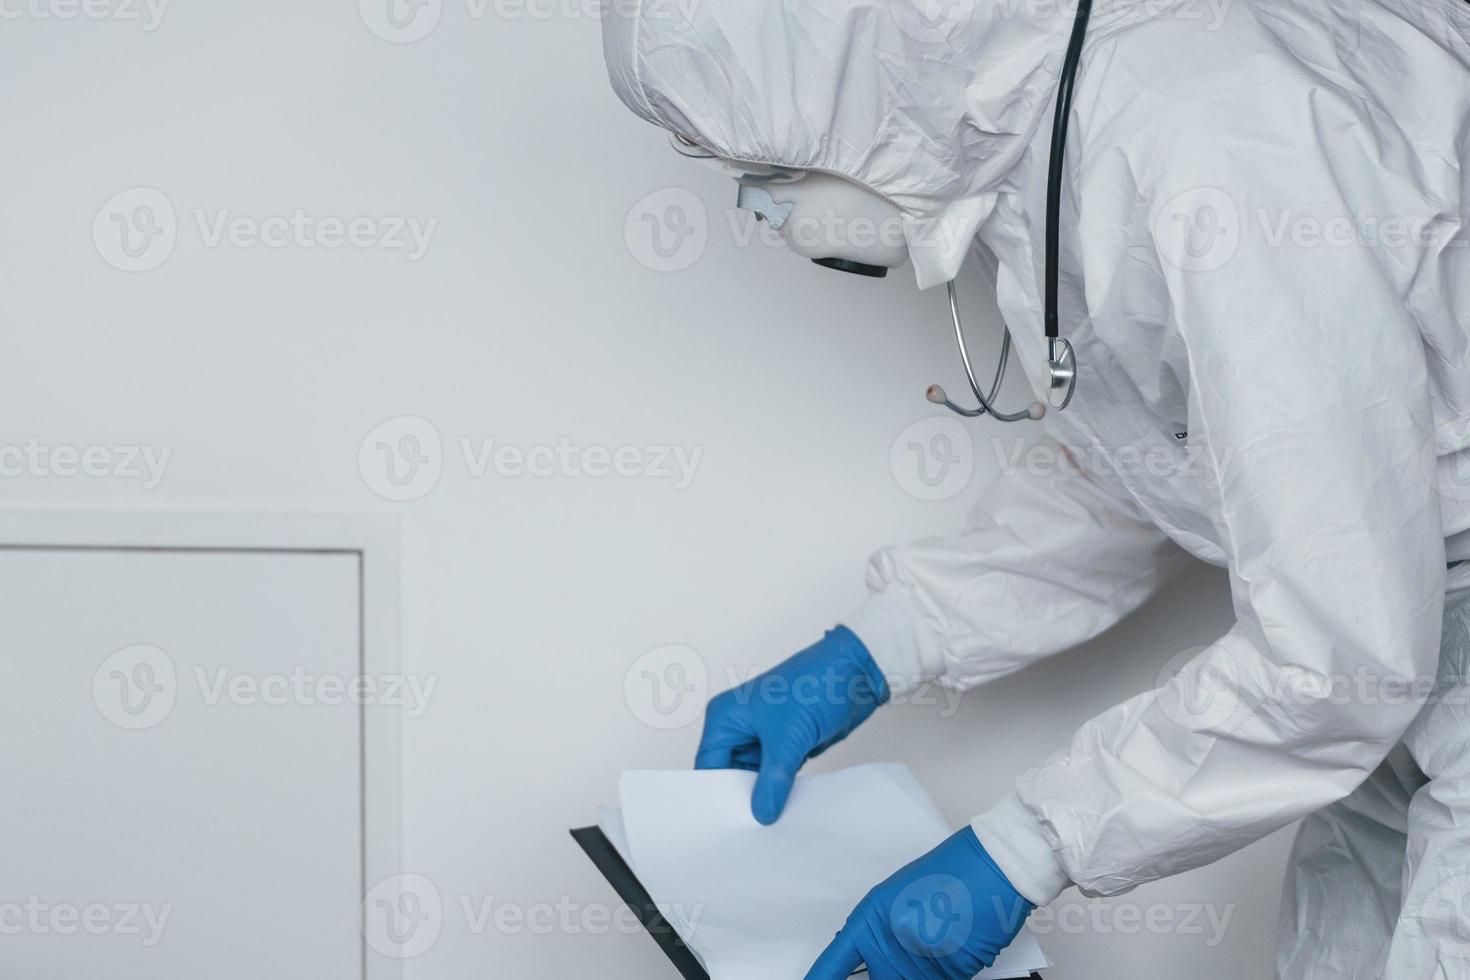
(794, 711)
(946, 916)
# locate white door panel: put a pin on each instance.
(226, 797)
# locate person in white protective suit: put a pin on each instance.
(1265, 278)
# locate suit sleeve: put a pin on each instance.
(1309, 393)
(1050, 558)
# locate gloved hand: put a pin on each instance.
(794, 711)
(945, 916)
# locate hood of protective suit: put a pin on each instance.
(933, 115)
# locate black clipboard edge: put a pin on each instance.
(608, 861)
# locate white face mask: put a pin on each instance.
(833, 222)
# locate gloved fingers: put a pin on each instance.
(838, 961)
(729, 751)
(715, 755)
(726, 738)
(747, 757)
(773, 783)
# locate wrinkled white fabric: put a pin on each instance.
(1049, 559)
(869, 91)
(1379, 884)
(1266, 279)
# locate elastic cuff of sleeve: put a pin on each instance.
(888, 626)
(1012, 836)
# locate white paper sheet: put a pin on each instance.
(760, 903)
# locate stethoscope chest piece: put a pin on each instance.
(1062, 372)
(1061, 359)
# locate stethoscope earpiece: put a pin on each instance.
(938, 396)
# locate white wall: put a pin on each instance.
(528, 320)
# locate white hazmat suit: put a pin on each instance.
(1266, 279)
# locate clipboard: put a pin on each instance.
(608, 861)
(593, 841)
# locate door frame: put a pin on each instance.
(372, 537)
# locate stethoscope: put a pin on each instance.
(1061, 359)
